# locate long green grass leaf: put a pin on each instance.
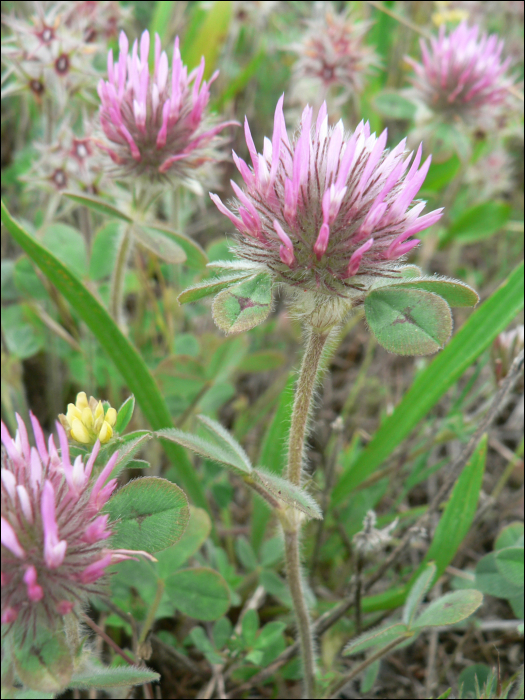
(125, 357)
(431, 384)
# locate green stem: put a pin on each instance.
(291, 523)
(150, 619)
(119, 273)
(302, 616)
(303, 399)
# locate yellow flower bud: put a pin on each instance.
(106, 433)
(111, 416)
(87, 418)
(79, 432)
(81, 401)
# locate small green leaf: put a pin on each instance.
(479, 222)
(510, 536)
(269, 634)
(124, 414)
(101, 677)
(195, 534)
(244, 305)
(449, 609)
(287, 492)
(379, 636)
(245, 554)
(97, 204)
(210, 286)
(490, 580)
(249, 626)
(222, 631)
(196, 257)
(225, 440)
(418, 592)
(408, 322)
(205, 448)
(158, 244)
(203, 644)
(510, 564)
(453, 292)
(150, 513)
(200, 593)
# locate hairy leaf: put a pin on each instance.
(149, 514)
(210, 286)
(449, 609)
(223, 454)
(244, 305)
(408, 322)
(287, 492)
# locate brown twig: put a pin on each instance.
(108, 640)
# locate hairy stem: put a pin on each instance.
(117, 278)
(302, 616)
(302, 403)
(291, 526)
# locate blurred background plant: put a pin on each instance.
(387, 431)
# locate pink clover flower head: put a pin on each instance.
(54, 551)
(328, 212)
(333, 53)
(462, 74)
(155, 122)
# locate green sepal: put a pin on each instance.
(124, 414)
(244, 305)
(408, 321)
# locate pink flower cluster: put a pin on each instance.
(53, 534)
(462, 73)
(329, 212)
(155, 123)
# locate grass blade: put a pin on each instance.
(431, 384)
(124, 355)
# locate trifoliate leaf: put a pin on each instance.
(245, 305)
(222, 453)
(408, 321)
